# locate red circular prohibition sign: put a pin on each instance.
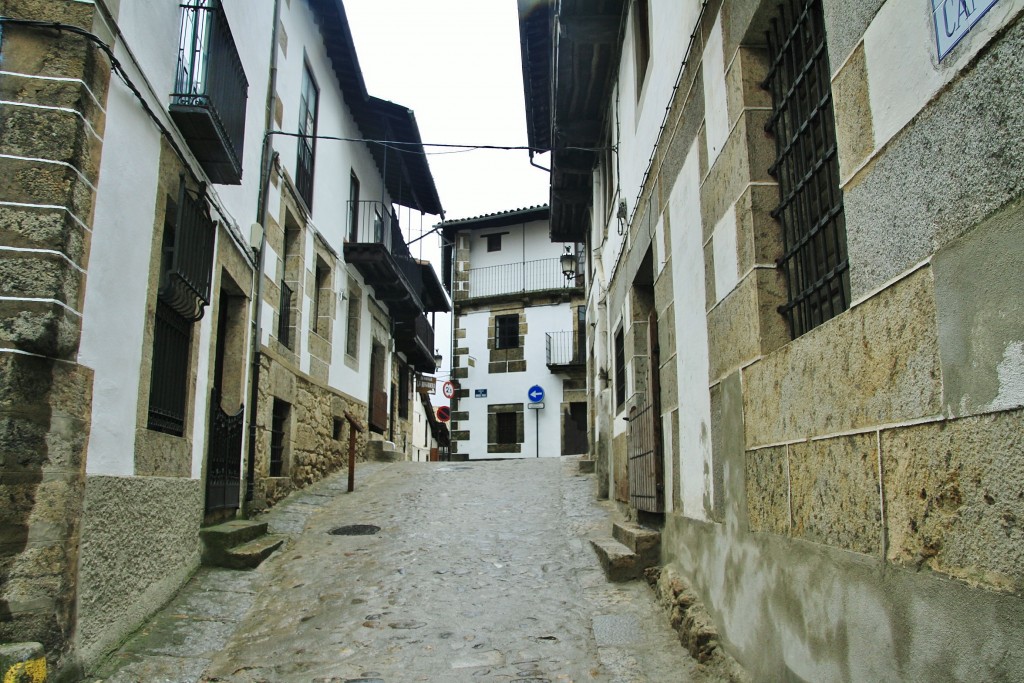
(444, 413)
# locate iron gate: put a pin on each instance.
(645, 466)
(224, 465)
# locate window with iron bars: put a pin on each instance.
(620, 369)
(284, 317)
(278, 434)
(506, 428)
(810, 210)
(506, 331)
(186, 260)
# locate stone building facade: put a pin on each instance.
(186, 336)
(825, 329)
(516, 325)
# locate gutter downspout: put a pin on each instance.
(267, 160)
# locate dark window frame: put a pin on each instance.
(403, 391)
(353, 207)
(506, 428)
(280, 412)
(814, 259)
(506, 331)
(305, 162)
(620, 369)
(494, 242)
(641, 42)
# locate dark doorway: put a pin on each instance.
(378, 390)
(224, 447)
(646, 464)
(574, 429)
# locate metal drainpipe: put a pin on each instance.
(267, 160)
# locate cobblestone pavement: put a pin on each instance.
(481, 571)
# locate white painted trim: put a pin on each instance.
(50, 161)
(49, 207)
(54, 252)
(45, 300)
(59, 79)
(38, 355)
(889, 283)
(52, 108)
(854, 432)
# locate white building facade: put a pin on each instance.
(519, 335)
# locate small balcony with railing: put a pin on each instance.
(210, 91)
(510, 279)
(565, 351)
(415, 339)
(375, 246)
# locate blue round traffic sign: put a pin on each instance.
(535, 394)
(444, 413)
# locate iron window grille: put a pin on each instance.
(284, 317)
(186, 262)
(278, 424)
(168, 389)
(620, 369)
(506, 428)
(506, 331)
(810, 209)
(308, 105)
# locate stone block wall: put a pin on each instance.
(51, 131)
(312, 450)
(864, 482)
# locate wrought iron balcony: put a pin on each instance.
(565, 351)
(210, 91)
(415, 338)
(514, 278)
(376, 247)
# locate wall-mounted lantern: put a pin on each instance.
(568, 263)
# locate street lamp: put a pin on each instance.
(568, 263)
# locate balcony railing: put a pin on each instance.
(210, 91)
(565, 349)
(515, 278)
(415, 338)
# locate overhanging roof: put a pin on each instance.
(404, 165)
(568, 80)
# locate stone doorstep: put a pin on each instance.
(587, 466)
(250, 555)
(619, 562)
(643, 541)
(221, 540)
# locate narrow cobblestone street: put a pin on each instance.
(480, 571)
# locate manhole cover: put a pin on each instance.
(355, 530)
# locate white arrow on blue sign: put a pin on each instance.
(536, 393)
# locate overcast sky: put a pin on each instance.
(456, 64)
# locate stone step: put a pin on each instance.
(231, 533)
(645, 542)
(587, 466)
(619, 562)
(383, 451)
(250, 555)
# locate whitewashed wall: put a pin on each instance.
(114, 317)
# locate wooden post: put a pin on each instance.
(354, 425)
